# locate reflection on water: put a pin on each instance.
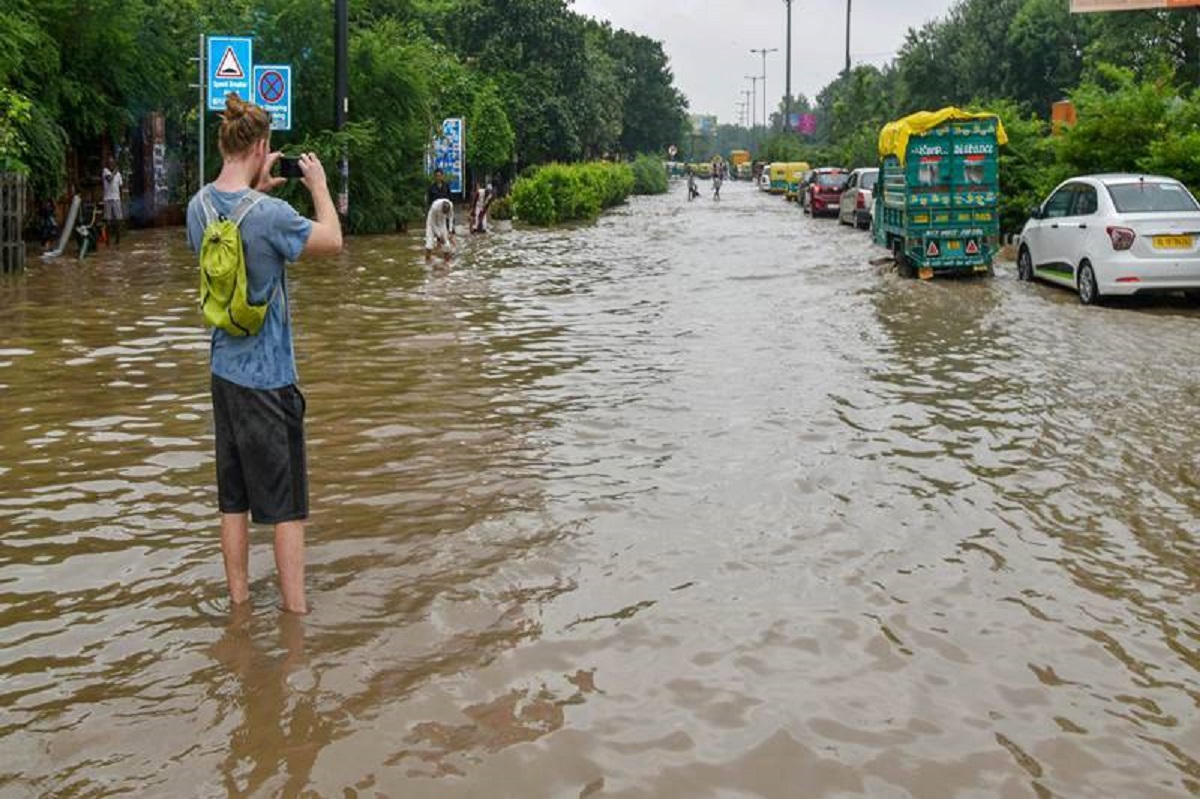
(690, 503)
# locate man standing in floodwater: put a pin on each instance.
(114, 213)
(438, 190)
(258, 410)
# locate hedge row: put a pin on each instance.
(649, 175)
(567, 192)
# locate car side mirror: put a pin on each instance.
(1036, 213)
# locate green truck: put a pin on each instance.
(938, 195)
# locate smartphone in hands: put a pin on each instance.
(289, 167)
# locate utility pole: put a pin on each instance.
(754, 79)
(747, 104)
(848, 3)
(763, 51)
(341, 69)
(787, 101)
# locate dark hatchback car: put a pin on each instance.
(823, 194)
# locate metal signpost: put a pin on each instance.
(273, 92)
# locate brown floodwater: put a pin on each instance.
(691, 502)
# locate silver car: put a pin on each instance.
(857, 203)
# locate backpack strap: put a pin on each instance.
(251, 199)
(245, 205)
(210, 213)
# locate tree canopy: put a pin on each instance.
(541, 82)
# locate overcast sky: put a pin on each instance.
(709, 41)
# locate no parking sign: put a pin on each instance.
(273, 92)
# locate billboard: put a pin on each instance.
(1089, 6)
(804, 124)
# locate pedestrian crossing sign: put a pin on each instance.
(230, 62)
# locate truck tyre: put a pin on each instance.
(1089, 289)
(1025, 266)
(903, 265)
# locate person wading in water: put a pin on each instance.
(258, 410)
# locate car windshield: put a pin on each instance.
(835, 179)
(868, 180)
(1145, 197)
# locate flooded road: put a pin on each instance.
(694, 502)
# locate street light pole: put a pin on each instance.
(764, 51)
(787, 101)
(754, 79)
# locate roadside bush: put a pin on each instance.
(501, 209)
(565, 192)
(649, 175)
(533, 201)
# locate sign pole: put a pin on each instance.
(341, 60)
(203, 112)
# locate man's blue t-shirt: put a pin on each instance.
(274, 235)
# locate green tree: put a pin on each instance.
(1119, 119)
(490, 136)
(655, 111)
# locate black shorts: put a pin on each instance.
(260, 452)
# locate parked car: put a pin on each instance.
(824, 191)
(857, 206)
(764, 180)
(1106, 235)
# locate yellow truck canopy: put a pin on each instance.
(893, 139)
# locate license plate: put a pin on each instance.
(1172, 242)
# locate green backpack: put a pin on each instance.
(224, 285)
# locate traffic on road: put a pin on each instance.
(933, 203)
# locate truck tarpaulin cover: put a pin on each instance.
(893, 140)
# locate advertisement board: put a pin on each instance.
(804, 124)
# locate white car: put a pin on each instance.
(1108, 235)
(857, 203)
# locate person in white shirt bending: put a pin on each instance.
(114, 213)
(439, 230)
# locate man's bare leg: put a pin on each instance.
(235, 548)
(289, 560)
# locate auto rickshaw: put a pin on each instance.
(796, 173)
